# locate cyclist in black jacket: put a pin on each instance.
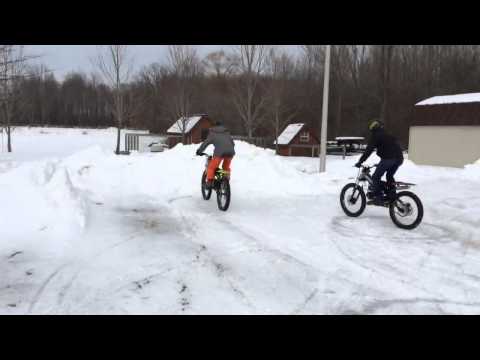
(390, 153)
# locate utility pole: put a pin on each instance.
(323, 135)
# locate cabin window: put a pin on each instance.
(305, 136)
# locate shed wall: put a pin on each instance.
(453, 146)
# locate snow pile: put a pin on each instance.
(39, 198)
(177, 172)
(51, 197)
(472, 171)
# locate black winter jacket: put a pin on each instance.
(387, 146)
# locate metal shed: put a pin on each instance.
(446, 131)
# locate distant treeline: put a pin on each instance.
(257, 90)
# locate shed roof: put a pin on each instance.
(451, 99)
(289, 134)
(190, 123)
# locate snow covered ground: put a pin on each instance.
(83, 231)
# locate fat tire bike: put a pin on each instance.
(405, 208)
(221, 185)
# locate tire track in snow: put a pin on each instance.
(376, 305)
(400, 276)
(388, 270)
(220, 270)
(67, 287)
(148, 227)
(427, 231)
(235, 287)
(172, 200)
(308, 299)
(258, 246)
(43, 286)
(309, 270)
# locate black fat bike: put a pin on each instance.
(406, 209)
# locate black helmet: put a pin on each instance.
(375, 124)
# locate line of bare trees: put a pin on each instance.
(13, 64)
(255, 89)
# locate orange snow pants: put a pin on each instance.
(215, 163)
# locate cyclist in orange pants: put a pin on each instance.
(215, 164)
(221, 139)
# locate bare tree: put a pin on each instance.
(115, 65)
(281, 71)
(185, 67)
(12, 71)
(385, 72)
(218, 63)
(250, 62)
(340, 57)
(312, 63)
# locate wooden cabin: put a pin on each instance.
(196, 130)
(298, 140)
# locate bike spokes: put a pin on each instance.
(223, 195)
(352, 200)
(352, 197)
(407, 210)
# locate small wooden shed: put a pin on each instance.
(446, 131)
(298, 140)
(196, 130)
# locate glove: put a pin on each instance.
(358, 165)
(199, 153)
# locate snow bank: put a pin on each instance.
(40, 202)
(51, 197)
(472, 171)
(177, 172)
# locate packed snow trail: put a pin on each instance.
(92, 233)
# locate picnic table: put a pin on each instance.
(347, 144)
(350, 142)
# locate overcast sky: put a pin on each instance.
(63, 59)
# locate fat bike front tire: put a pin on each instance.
(353, 200)
(206, 193)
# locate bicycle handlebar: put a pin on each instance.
(367, 166)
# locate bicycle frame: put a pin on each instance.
(220, 173)
(363, 176)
